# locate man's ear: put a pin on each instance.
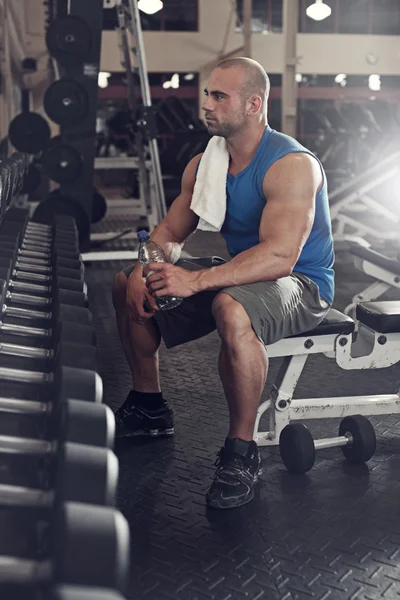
(254, 105)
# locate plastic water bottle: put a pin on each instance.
(149, 252)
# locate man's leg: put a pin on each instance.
(144, 411)
(140, 341)
(243, 366)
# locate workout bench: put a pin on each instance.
(375, 345)
(384, 270)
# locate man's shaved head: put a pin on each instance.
(256, 80)
(236, 97)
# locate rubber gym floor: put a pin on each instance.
(331, 534)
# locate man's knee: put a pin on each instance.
(119, 289)
(231, 318)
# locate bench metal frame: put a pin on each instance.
(385, 280)
(368, 349)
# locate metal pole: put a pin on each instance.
(146, 97)
(133, 105)
(289, 86)
(247, 17)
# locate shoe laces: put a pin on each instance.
(230, 462)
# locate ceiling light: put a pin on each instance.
(374, 83)
(318, 11)
(150, 6)
(103, 79)
(340, 78)
(175, 81)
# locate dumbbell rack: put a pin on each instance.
(151, 203)
(61, 535)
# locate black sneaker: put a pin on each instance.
(238, 465)
(131, 420)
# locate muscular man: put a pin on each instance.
(278, 283)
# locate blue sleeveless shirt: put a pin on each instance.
(246, 202)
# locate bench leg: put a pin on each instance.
(279, 400)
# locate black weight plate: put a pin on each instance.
(99, 207)
(5, 191)
(62, 163)
(31, 181)
(69, 40)
(29, 132)
(58, 204)
(18, 169)
(66, 102)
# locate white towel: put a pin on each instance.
(209, 194)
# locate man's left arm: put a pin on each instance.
(290, 186)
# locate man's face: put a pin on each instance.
(224, 106)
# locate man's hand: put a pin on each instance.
(139, 302)
(170, 280)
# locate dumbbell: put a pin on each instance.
(47, 338)
(65, 592)
(24, 280)
(70, 472)
(60, 226)
(35, 263)
(89, 547)
(81, 593)
(28, 253)
(32, 246)
(61, 222)
(41, 295)
(77, 421)
(64, 243)
(9, 260)
(59, 312)
(68, 354)
(33, 267)
(43, 282)
(63, 383)
(10, 248)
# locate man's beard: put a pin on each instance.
(225, 130)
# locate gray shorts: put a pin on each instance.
(277, 309)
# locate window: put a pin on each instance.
(176, 15)
(385, 17)
(379, 17)
(354, 16)
(276, 15)
(180, 15)
(266, 16)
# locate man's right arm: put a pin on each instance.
(180, 220)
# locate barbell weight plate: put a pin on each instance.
(56, 203)
(66, 102)
(32, 180)
(69, 40)
(99, 207)
(29, 132)
(62, 163)
(98, 532)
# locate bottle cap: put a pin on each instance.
(143, 235)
